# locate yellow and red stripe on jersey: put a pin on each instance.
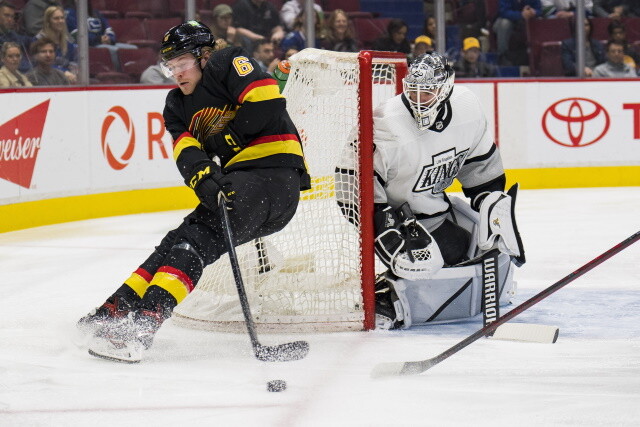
(139, 281)
(260, 90)
(184, 140)
(267, 146)
(174, 281)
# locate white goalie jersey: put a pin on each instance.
(416, 166)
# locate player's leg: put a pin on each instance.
(266, 201)
(127, 297)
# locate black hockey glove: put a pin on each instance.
(416, 237)
(227, 140)
(389, 240)
(208, 182)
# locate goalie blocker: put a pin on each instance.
(479, 285)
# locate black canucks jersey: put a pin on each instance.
(233, 93)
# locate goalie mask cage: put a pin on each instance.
(318, 273)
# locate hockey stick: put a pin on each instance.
(417, 367)
(277, 353)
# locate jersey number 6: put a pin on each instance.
(242, 65)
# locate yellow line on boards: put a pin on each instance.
(18, 216)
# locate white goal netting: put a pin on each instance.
(306, 277)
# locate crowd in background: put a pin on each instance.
(38, 37)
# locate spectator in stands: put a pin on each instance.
(512, 16)
(421, 45)
(8, 33)
(55, 29)
(100, 33)
(564, 8)
(616, 9)
(10, 76)
(338, 34)
(44, 55)
(470, 64)
(290, 52)
(263, 53)
(618, 33)
(298, 38)
(33, 14)
(605, 9)
(260, 20)
(155, 76)
(221, 26)
(614, 66)
(429, 30)
(449, 10)
(594, 53)
(396, 38)
(291, 9)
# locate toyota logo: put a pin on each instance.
(575, 122)
(121, 161)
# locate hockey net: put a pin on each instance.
(317, 274)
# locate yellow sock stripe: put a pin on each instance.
(171, 284)
(137, 283)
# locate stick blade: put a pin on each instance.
(282, 353)
(397, 369)
(527, 332)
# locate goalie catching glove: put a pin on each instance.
(209, 183)
(404, 245)
(498, 224)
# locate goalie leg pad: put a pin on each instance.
(392, 306)
(498, 225)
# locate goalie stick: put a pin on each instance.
(278, 353)
(417, 367)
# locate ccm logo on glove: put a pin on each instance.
(197, 177)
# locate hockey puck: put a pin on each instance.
(277, 385)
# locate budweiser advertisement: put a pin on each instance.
(20, 139)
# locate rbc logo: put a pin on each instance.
(116, 161)
(575, 122)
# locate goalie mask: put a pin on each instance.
(427, 87)
(189, 37)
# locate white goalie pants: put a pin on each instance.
(456, 292)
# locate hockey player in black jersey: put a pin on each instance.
(233, 138)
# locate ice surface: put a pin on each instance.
(53, 275)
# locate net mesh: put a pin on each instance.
(307, 276)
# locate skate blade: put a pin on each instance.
(116, 351)
(112, 358)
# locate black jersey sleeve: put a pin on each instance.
(187, 150)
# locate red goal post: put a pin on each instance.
(366, 60)
(318, 273)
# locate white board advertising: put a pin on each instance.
(570, 124)
(63, 143)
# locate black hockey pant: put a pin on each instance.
(266, 200)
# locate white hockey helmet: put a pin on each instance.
(427, 85)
